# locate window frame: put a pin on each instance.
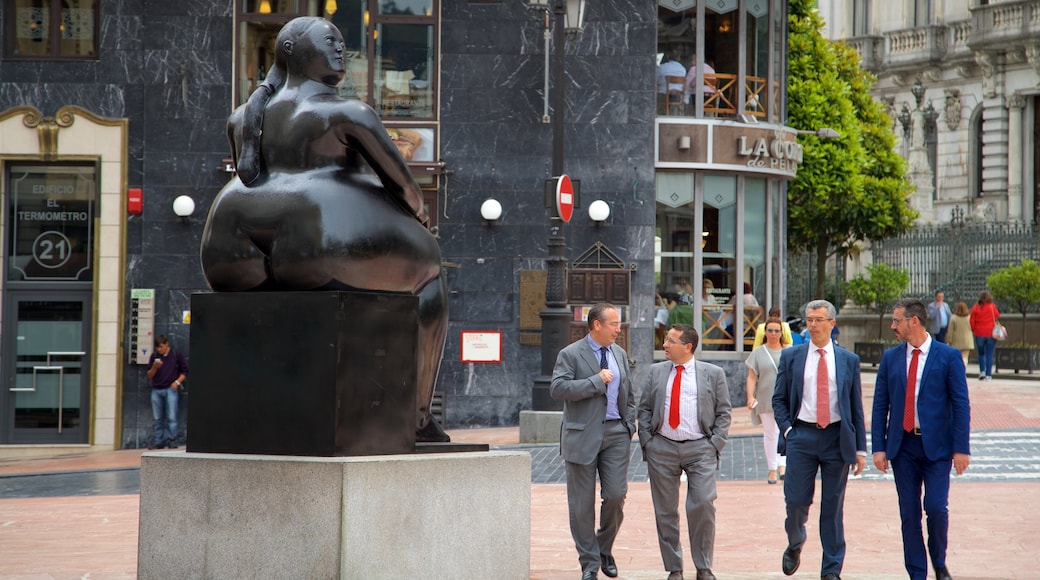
(53, 35)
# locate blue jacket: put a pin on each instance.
(943, 410)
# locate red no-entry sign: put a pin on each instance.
(564, 198)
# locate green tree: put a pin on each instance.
(1019, 286)
(877, 293)
(847, 189)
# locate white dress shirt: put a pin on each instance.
(925, 347)
(807, 412)
(689, 427)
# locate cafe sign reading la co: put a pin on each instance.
(775, 153)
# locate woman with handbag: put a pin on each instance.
(983, 318)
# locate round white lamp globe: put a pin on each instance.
(183, 206)
(599, 211)
(491, 210)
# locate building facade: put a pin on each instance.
(112, 111)
(962, 82)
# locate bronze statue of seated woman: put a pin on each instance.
(323, 200)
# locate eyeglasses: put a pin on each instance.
(896, 320)
(672, 341)
(816, 320)
(773, 330)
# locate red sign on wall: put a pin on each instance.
(134, 201)
(564, 198)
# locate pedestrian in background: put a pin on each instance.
(760, 331)
(763, 364)
(921, 423)
(939, 316)
(167, 369)
(959, 334)
(983, 317)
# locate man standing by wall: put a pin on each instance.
(599, 409)
(921, 423)
(818, 405)
(939, 316)
(684, 417)
(167, 371)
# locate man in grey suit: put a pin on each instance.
(818, 405)
(684, 418)
(599, 409)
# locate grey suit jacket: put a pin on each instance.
(713, 406)
(576, 382)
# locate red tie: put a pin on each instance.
(673, 412)
(911, 390)
(823, 400)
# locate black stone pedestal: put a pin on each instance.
(303, 373)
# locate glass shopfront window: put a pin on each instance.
(51, 29)
(50, 214)
(728, 53)
(390, 60)
(714, 251)
(390, 46)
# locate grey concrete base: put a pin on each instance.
(540, 426)
(450, 515)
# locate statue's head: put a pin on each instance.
(312, 47)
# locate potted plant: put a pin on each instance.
(876, 293)
(1018, 286)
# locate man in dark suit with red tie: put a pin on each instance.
(921, 424)
(818, 405)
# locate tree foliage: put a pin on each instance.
(877, 293)
(1019, 286)
(848, 189)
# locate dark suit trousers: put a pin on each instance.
(612, 465)
(810, 449)
(911, 469)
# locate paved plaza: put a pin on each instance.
(76, 517)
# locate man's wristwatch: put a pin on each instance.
(176, 383)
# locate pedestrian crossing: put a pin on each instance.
(996, 456)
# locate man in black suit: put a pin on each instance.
(818, 405)
(599, 409)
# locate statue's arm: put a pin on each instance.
(364, 132)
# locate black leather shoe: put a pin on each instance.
(792, 559)
(172, 444)
(675, 575)
(941, 573)
(830, 577)
(608, 565)
(705, 574)
(156, 446)
(590, 575)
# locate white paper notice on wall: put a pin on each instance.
(481, 346)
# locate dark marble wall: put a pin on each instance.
(166, 66)
(492, 67)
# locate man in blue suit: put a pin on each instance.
(922, 431)
(818, 405)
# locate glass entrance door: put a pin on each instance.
(46, 367)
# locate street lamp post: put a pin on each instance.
(556, 316)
